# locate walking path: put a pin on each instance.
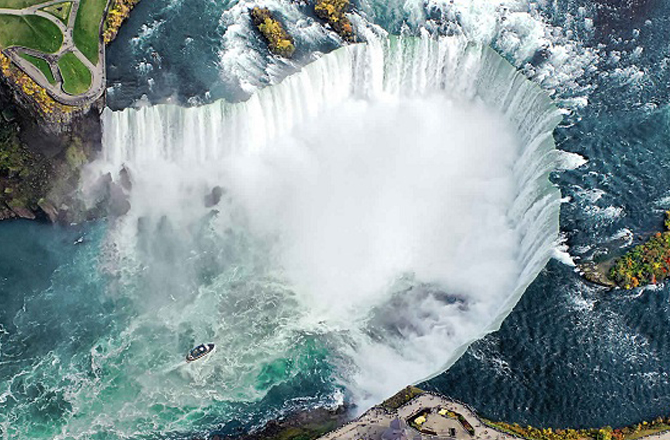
(98, 77)
(373, 423)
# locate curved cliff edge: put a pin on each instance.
(423, 415)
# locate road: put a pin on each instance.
(98, 72)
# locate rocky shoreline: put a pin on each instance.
(416, 407)
(40, 159)
(644, 264)
(302, 425)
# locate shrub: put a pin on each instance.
(117, 14)
(333, 12)
(648, 263)
(279, 41)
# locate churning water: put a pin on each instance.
(392, 198)
(343, 232)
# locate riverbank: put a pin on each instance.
(423, 415)
(39, 165)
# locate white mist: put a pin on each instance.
(398, 193)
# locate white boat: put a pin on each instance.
(200, 352)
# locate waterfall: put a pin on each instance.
(395, 284)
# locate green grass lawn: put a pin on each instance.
(87, 27)
(19, 4)
(30, 31)
(60, 10)
(42, 65)
(76, 76)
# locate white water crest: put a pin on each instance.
(390, 200)
(519, 29)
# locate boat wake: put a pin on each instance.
(391, 199)
(354, 228)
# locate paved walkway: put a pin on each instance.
(98, 73)
(372, 424)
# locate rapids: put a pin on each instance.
(314, 302)
(390, 199)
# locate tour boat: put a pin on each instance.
(200, 352)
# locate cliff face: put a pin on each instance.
(41, 158)
(45, 144)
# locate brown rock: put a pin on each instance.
(597, 273)
(22, 211)
(6, 213)
(49, 209)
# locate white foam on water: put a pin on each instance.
(571, 161)
(518, 29)
(394, 199)
(242, 65)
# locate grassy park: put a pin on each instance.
(44, 34)
(76, 76)
(87, 27)
(29, 31)
(42, 65)
(60, 10)
(19, 4)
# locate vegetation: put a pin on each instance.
(606, 433)
(19, 4)
(60, 10)
(30, 31)
(279, 41)
(647, 263)
(333, 12)
(86, 32)
(461, 419)
(76, 76)
(402, 397)
(42, 65)
(23, 174)
(48, 108)
(118, 13)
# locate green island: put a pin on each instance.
(647, 263)
(60, 10)
(20, 4)
(333, 13)
(278, 40)
(87, 27)
(31, 32)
